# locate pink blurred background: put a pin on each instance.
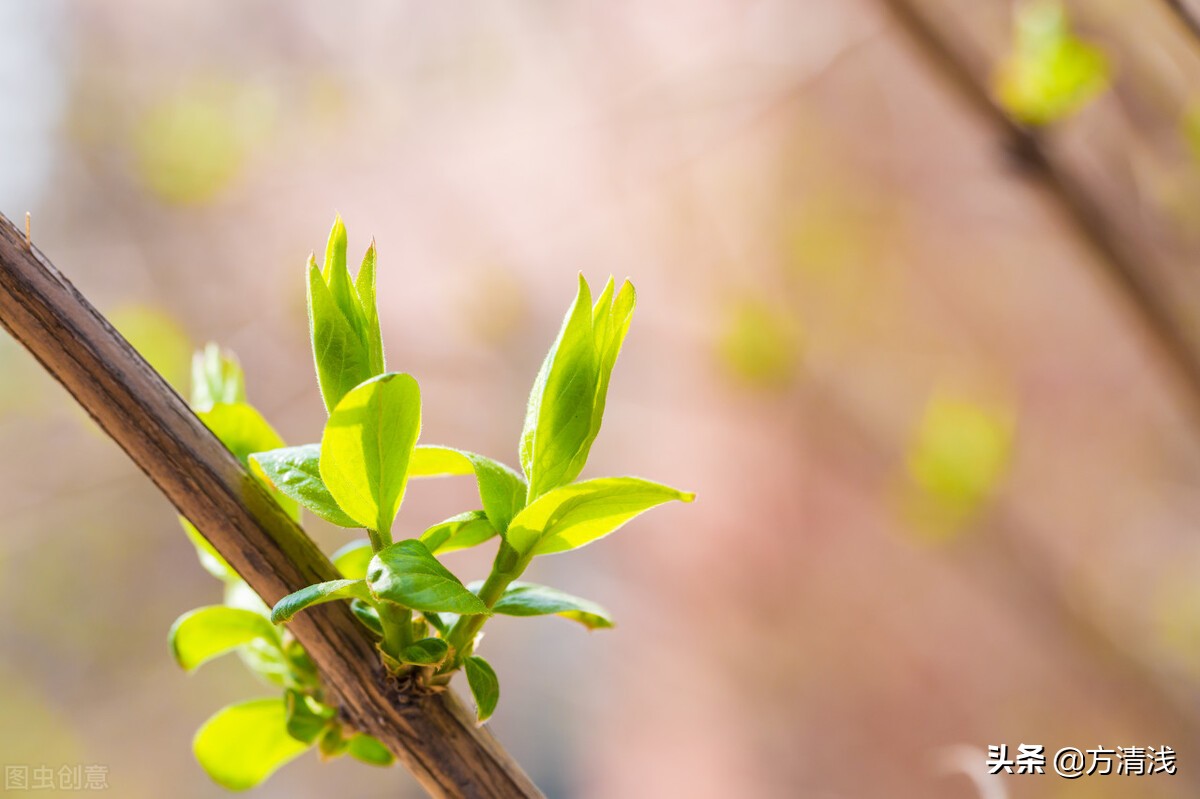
(947, 486)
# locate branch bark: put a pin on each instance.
(432, 734)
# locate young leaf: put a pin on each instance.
(370, 751)
(574, 515)
(559, 416)
(367, 614)
(426, 652)
(240, 595)
(342, 359)
(306, 718)
(352, 559)
(364, 287)
(502, 490)
(295, 472)
(200, 635)
(432, 461)
(485, 687)
(241, 428)
(610, 322)
(1051, 73)
(458, 532)
(530, 599)
(317, 594)
(408, 574)
(244, 744)
(331, 743)
(216, 379)
(366, 448)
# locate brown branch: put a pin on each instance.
(1132, 259)
(1186, 16)
(430, 733)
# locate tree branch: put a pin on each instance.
(432, 734)
(1151, 284)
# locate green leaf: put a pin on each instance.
(485, 687)
(366, 448)
(317, 594)
(210, 559)
(296, 472)
(530, 599)
(241, 428)
(238, 594)
(610, 322)
(574, 515)
(426, 652)
(216, 379)
(205, 633)
(1050, 73)
(352, 559)
(502, 490)
(364, 287)
(458, 532)
(242, 745)
(342, 358)
(408, 574)
(368, 615)
(432, 461)
(559, 416)
(306, 717)
(370, 751)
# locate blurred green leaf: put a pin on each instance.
(370, 751)
(458, 532)
(1050, 73)
(306, 718)
(352, 559)
(485, 686)
(205, 633)
(317, 594)
(760, 344)
(190, 146)
(210, 559)
(241, 428)
(296, 473)
(217, 378)
(958, 456)
(530, 599)
(408, 574)
(574, 515)
(159, 339)
(366, 448)
(244, 744)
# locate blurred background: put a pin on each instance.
(933, 375)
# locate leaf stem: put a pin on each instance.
(508, 566)
(376, 540)
(396, 621)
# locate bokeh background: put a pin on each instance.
(948, 473)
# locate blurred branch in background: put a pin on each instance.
(1146, 261)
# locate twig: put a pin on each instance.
(1125, 257)
(432, 734)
